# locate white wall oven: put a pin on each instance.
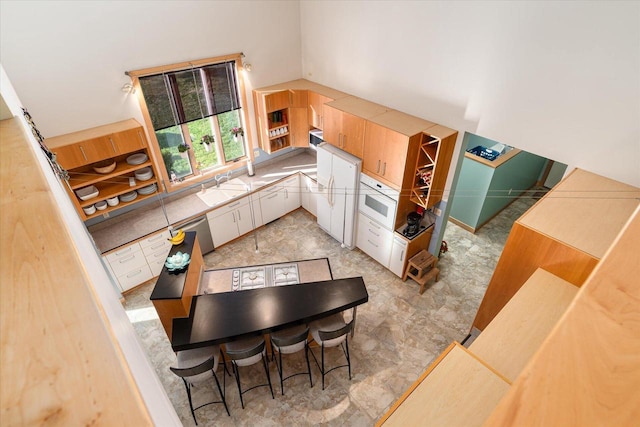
(378, 201)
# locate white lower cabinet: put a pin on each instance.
(398, 255)
(291, 187)
(134, 264)
(129, 266)
(230, 221)
(374, 240)
(309, 194)
(272, 203)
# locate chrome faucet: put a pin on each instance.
(219, 178)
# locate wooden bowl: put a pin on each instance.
(105, 166)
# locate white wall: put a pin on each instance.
(558, 79)
(67, 60)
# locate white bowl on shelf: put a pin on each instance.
(101, 205)
(113, 201)
(87, 193)
(89, 210)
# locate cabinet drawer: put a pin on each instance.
(127, 250)
(155, 239)
(233, 206)
(374, 240)
(127, 263)
(161, 246)
(135, 277)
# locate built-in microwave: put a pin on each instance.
(315, 138)
(378, 201)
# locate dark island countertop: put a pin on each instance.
(170, 285)
(226, 316)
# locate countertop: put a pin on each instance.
(149, 219)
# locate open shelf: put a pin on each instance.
(425, 171)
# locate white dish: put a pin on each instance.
(113, 201)
(101, 205)
(144, 174)
(127, 197)
(87, 193)
(89, 210)
(149, 189)
(137, 159)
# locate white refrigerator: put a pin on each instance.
(338, 182)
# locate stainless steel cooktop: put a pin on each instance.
(265, 276)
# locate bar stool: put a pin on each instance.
(422, 268)
(329, 332)
(198, 365)
(248, 352)
(289, 341)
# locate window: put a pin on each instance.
(193, 111)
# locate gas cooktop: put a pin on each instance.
(265, 276)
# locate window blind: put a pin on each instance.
(183, 96)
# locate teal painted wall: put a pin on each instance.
(471, 191)
(509, 181)
(483, 191)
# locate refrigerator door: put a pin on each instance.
(324, 165)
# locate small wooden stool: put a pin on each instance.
(422, 268)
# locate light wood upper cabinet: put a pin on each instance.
(299, 127)
(79, 151)
(344, 130)
(276, 101)
(298, 99)
(316, 114)
(385, 154)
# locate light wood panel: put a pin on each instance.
(525, 251)
(587, 373)
(448, 393)
(59, 364)
(585, 210)
(515, 334)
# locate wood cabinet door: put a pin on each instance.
(298, 99)
(70, 156)
(352, 138)
(385, 154)
(97, 149)
(316, 101)
(332, 125)
(129, 140)
(276, 101)
(298, 127)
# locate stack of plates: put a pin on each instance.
(144, 174)
(149, 189)
(127, 197)
(137, 159)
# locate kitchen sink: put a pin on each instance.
(228, 190)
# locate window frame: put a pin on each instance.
(198, 176)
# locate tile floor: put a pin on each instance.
(399, 332)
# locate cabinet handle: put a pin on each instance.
(141, 139)
(272, 196)
(124, 251)
(82, 151)
(286, 193)
(158, 246)
(374, 225)
(374, 233)
(384, 168)
(239, 217)
(344, 140)
(113, 146)
(234, 204)
(372, 243)
(233, 214)
(134, 273)
(153, 239)
(321, 121)
(127, 259)
(378, 168)
(402, 255)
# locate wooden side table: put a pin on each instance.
(422, 268)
